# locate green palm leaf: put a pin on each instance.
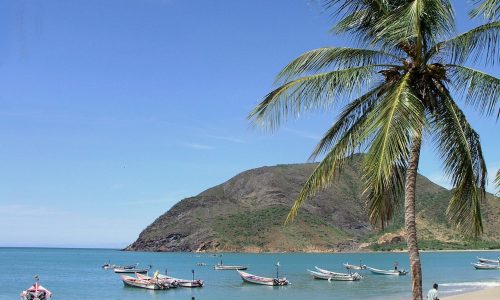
(349, 116)
(479, 89)
(312, 92)
(490, 9)
(334, 57)
(471, 45)
(460, 149)
(397, 119)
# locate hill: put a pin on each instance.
(246, 213)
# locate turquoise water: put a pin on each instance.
(77, 274)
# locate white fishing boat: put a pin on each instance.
(337, 277)
(247, 277)
(229, 267)
(387, 272)
(36, 292)
(354, 267)
(146, 282)
(131, 270)
(183, 282)
(483, 266)
(330, 272)
(487, 260)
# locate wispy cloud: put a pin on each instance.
(227, 138)
(304, 134)
(197, 146)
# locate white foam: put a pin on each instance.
(478, 284)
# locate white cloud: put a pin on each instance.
(227, 138)
(198, 146)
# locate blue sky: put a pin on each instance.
(112, 111)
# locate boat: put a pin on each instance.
(247, 277)
(131, 269)
(387, 272)
(108, 265)
(36, 292)
(487, 260)
(146, 282)
(336, 277)
(183, 282)
(483, 266)
(354, 267)
(220, 266)
(330, 272)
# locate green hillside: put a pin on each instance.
(247, 212)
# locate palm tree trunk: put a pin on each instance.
(410, 224)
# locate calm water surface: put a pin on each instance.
(77, 274)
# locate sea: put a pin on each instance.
(77, 274)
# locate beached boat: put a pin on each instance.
(354, 267)
(228, 267)
(146, 282)
(36, 292)
(487, 260)
(336, 277)
(247, 277)
(131, 269)
(387, 272)
(483, 266)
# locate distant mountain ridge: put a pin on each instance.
(246, 214)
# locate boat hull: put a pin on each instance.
(387, 272)
(353, 267)
(483, 266)
(183, 282)
(37, 292)
(247, 277)
(227, 267)
(335, 276)
(486, 260)
(143, 283)
(130, 271)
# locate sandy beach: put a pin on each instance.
(486, 294)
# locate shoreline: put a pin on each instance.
(491, 293)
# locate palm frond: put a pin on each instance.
(319, 91)
(422, 21)
(497, 182)
(490, 9)
(460, 149)
(349, 116)
(394, 122)
(333, 57)
(331, 165)
(482, 41)
(479, 89)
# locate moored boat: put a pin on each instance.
(483, 266)
(132, 269)
(183, 282)
(336, 277)
(330, 272)
(354, 267)
(36, 292)
(247, 277)
(146, 282)
(487, 260)
(387, 272)
(228, 267)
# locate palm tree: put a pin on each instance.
(497, 182)
(401, 85)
